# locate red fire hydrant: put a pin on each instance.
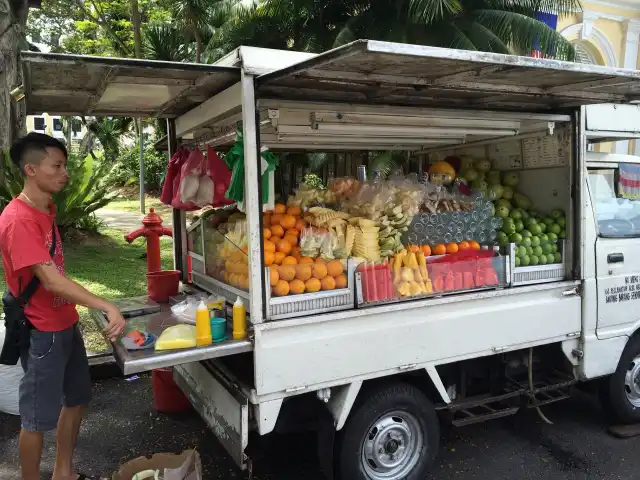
(152, 230)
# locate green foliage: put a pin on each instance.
(86, 192)
(504, 26)
(127, 167)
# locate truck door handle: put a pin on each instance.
(615, 258)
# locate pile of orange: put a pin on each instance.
(281, 231)
(444, 248)
(305, 275)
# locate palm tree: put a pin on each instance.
(108, 131)
(503, 26)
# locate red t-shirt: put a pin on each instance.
(25, 240)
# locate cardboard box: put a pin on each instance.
(185, 466)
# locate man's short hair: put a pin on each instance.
(28, 148)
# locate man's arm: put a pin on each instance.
(61, 286)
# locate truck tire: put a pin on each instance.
(620, 393)
(393, 434)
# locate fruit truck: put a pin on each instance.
(378, 377)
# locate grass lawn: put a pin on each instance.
(132, 205)
(111, 268)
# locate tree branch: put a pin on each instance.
(103, 23)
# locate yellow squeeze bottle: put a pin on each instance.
(203, 325)
(239, 320)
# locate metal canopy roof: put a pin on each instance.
(80, 85)
(412, 75)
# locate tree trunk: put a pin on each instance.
(198, 38)
(135, 19)
(13, 19)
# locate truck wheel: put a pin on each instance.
(620, 392)
(392, 434)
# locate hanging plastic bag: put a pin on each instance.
(184, 197)
(221, 176)
(172, 177)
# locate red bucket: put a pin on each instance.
(162, 285)
(167, 396)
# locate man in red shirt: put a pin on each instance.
(56, 386)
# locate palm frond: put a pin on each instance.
(426, 11)
(164, 42)
(531, 7)
(523, 32)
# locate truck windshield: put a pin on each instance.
(615, 192)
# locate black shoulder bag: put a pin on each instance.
(17, 324)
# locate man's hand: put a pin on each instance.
(116, 323)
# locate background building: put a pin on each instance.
(607, 33)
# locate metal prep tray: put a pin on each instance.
(144, 360)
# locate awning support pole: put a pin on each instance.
(142, 208)
(252, 199)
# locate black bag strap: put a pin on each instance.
(34, 283)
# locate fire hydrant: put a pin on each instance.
(152, 230)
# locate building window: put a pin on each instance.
(57, 125)
(38, 123)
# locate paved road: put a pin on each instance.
(122, 425)
(125, 221)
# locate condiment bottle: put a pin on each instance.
(203, 325)
(239, 320)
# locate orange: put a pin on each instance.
(335, 268)
(274, 276)
(269, 258)
(300, 225)
(319, 270)
(426, 250)
(319, 260)
(452, 247)
(268, 212)
(266, 220)
(328, 283)
(440, 249)
(269, 246)
(474, 245)
(275, 240)
(305, 260)
(303, 272)
(291, 239)
(278, 257)
(275, 219)
(266, 233)
(341, 281)
(295, 211)
(293, 232)
(296, 286)
(280, 208)
(284, 246)
(288, 221)
(281, 288)
(413, 249)
(287, 272)
(289, 261)
(277, 231)
(295, 252)
(313, 285)
(462, 246)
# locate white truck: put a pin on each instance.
(377, 380)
